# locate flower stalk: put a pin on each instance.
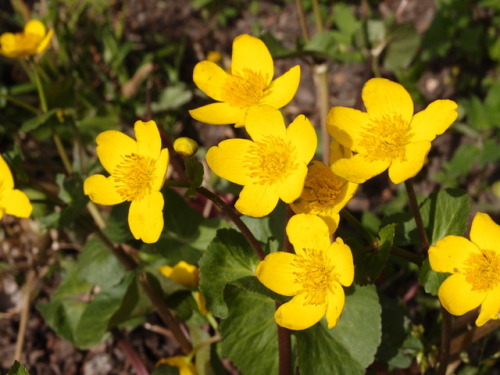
(412, 198)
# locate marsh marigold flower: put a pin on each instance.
(137, 171)
(271, 166)
(325, 193)
(314, 275)
(12, 201)
(475, 270)
(249, 83)
(182, 273)
(182, 363)
(388, 135)
(34, 39)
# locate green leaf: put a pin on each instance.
(18, 369)
(269, 229)
(227, 259)
(404, 42)
(345, 19)
(429, 279)
(250, 333)
(37, 121)
(349, 347)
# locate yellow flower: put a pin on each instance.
(34, 39)
(249, 83)
(271, 167)
(314, 275)
(182, 363)
(138, 170)
(182, 273)
(475, 270)
(12, 201)
(185, 146)
(325, 193)
(388, 135)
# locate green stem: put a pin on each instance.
(39, 87)
(20, 103)
(368, 236)
(302, 19)
(317, 16)
(444, 349)
(412, 199)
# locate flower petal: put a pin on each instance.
(278, 273)
(257, 200)
(298, 314)
(112, 146)
(160, 168)
(339, 255)
(148, 139)
(44, 43)
(250, 53)
(490, 308)
(335, 304)
(450, 254)
(7, 181)
(219, 114)
(291, 187)
(457, 297)
(210, 78)
(307, 231)
(433, 120)
(145, 217)
(345, 125)
(101, 190)
(227, 160)
(383, 97)
(263, 121)
(301, 133)
(35, 27)
(485, 233)
(282, 90)
(415, 154)
(358, 169)
(16, 203)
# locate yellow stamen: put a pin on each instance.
(244, 88)
(321, 190)
(385, 138)
(134, 176)
(271, 161)
(482, 271)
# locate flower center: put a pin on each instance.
(315, 275)
(482, 271)
(133, 176)
(244, 88)
(270, 161)
(321, 190)
(385, 138)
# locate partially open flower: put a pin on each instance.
(182, 273)
(34, 39)
(185, 146)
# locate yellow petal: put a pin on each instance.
(340, 256)
(307, 231)
(8, 45)
(415, 154)
(182, 273)
(358, 169)
(282, 89)
(210, 78)
(457, 297)
(16, 203)
(433, 120)
(450, 254)
(6, 179)
(112, 146)
(257, 200)
(490, 308)
(335, 304)
(345, 125)
(218, 114)
(291, 187)
(302, 135)
(148, 139)
(337, 151)
(101, 190)
(383, 97)
(35, 27)
(161, 167)
(145, 217)
(227, 160)
(485, 233)
(297, 314)
(251, 53)
(44, 43)
(278, 273)
(263, 121)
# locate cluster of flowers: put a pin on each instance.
(276, 164)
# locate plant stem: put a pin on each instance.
(317, 16)
(444, 349)
(20, 103)
(233, 215)
(284, 349)
(39, 87)
(302, 19)
(368, 236)
(23, 323)
(412, 198)
(130, 353)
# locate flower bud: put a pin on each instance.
(185, 146)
